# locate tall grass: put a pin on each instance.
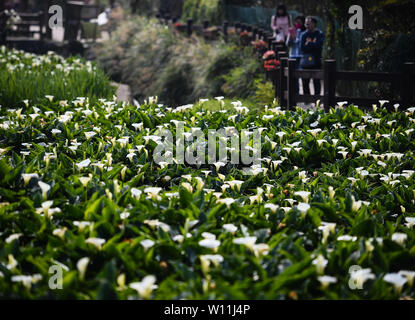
(25, 76)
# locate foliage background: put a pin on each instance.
(199, 10)
(385, 43)
(153, 60)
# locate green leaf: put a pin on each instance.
(185, 198)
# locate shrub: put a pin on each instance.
(155, 60)
(264, 93)
(240, 82)
(199, 10)
(169, 91)
(221, 65)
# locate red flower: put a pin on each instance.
(260, 45)
(271, 65)
(269, 54)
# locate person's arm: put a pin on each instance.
(319, 41)
(298, 36)
(303, 46)
(274, 23)
(289, 41)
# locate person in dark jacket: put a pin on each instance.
(294, 41)
(311, 47)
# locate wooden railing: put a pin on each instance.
(286, 88)
(23, 27)
(289, 97)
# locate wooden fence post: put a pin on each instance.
(189, 26)
(277, 84)
(282, 82)
(237, 27)
(254, 34)
(329, 84)
(167, 18)
(269, 40)
(225, 28)
(281, 54)
(260, 34)
(205, 24)
(277, 47)
(407, 84)
(291, 87)
(274, 45)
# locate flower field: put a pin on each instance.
(26, 76)
(328, 214)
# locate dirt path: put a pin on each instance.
(123, 92)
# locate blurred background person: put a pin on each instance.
(280, 23)
(311, 48)
(294, 41)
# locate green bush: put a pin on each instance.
(265, 92)
(221, 65)
(169, 90)
(199, 10)
(386, 51)
(155, 60)
(143, 6)
(240, 82)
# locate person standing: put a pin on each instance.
(311, 48)
(294, 41)
(281, 23)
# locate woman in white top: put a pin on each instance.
(281, 23)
